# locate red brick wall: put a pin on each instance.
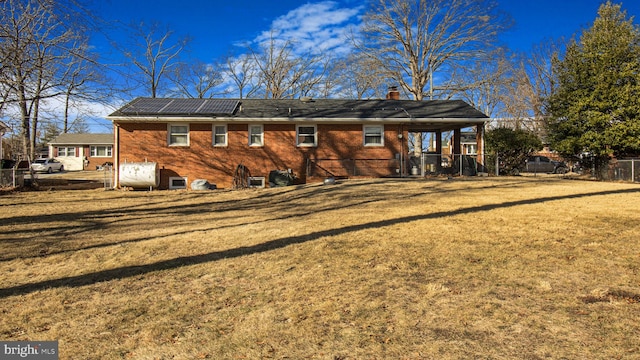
(201, 160)
(96, 161)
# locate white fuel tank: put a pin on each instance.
(139, 175)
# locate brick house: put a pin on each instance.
(82, 151)
(211, 139)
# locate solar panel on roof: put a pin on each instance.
(218, 106)
(183, 106)
(146, 106)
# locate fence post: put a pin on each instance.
(497, 164)
(633, 170)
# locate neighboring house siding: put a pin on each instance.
(75, 150)
(139, 142)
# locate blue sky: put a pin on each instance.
(217, 28)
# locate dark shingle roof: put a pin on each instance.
(357, 109)
(321, 108)
(420, 115)
(82, 139)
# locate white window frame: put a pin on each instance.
(225, 134)
(260, 180)
(170, 133)
(108, 150)
(177, 187)
(471, 149)
(260, 134)
(305, 144)
(365, 132)
(66, 152)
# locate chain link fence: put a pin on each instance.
(446, 164)
(353, 167)
(621, 170)
(12, 178)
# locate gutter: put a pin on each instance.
(286, 120)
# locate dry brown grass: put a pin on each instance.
(372, 269)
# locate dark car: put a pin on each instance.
(7, 164)
(542, 164)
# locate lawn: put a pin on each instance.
(482, 268)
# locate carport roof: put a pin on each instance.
(417, 115)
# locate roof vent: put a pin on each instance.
(306, 99)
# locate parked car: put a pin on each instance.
(47, 165)
(542, 164)
(7, 163)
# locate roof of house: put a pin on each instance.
(420, 113)
(82, 139)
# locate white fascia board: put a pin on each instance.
(287, 120)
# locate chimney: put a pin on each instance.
(393, 93)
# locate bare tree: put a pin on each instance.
(360, 78)
(412, 39)
(84, 81)
(195, 80)
(482, 82)
(531, 86)
(153, 52)
(34, 45)
(242, 71)
(284, 74)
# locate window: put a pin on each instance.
(471, 149)
(256, 135)
(66, 151)
(256, 182)
(373, 135)
(178, 135)
(101, 151)
(219, 135)
(177, 183)
(306, 135)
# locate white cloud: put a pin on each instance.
(315, 27)
(51, 110)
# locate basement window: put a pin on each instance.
(177, 183)
(256, 181)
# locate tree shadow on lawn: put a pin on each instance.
(132, 271)
(281, 205)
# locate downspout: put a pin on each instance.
(483, 158)
(116, 156)
(401, 138)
